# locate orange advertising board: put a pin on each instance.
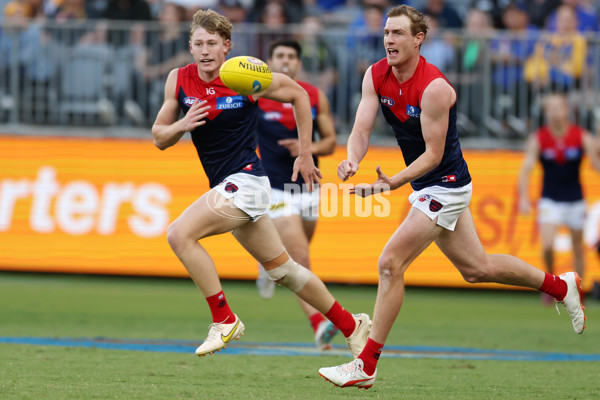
(102, 206)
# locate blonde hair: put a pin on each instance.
(418, 22)
(212, 22)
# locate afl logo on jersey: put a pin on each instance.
(189, 101)
(386, 101)
(413, 111)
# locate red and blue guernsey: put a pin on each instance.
(226, 144)
(275, 122)
(401, 107)
(561, 161)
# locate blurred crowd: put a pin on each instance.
(120, 51)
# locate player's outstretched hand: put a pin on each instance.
(383, 184)
(305, 165)
(195, 116)
(346, 169)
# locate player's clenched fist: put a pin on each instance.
(346, 169)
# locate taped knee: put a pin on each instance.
(291, 275)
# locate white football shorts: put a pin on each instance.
(285, 203)
(251, 194)
(445, 204)
(567, 213)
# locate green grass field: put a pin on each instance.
(34, 305)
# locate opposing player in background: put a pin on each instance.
(559, 146)
(222, 126)
(294, 210)
(420, 104)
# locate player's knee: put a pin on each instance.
(475, 275)
(298, 251)
(390, 266)
(290, 275)
(301, 258)
(175, 237)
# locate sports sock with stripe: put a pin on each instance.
(219, 308)
(370, 356)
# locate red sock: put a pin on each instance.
(219, 308)
(370, 356)
(554, 286)
(315, 320)
(341, 318)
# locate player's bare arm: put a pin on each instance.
(591, 146)
(532, 152)
(436, 102)
(168, 129)
(284, 89)
(326, 130)
(358, 142)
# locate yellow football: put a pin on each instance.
(246, 75)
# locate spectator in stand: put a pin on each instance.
(125, 10)
(365, 42)
(326, 5)
(72, 10)
(509, 51)
(318, 58)
(28, 9)
(24, 41)
(238, 13)
(363, 48)
(293, 10)
(163, 51)
(539, 11)
(493, 8)
(559, 60)
(446, 14)
(439, 49)
(275, 19)
(359, 22)
(191, 6)
(478, 28)
(166, 48)
(587, 17)
(234, 10)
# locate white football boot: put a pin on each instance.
(350, 374)
(219, 335)
(357, 341)
(572, 300)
